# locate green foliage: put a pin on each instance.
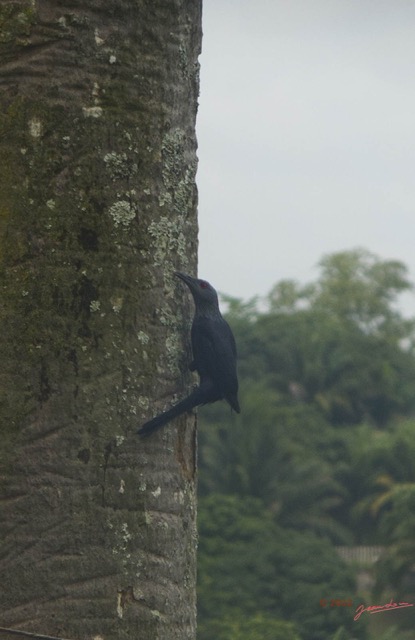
(258, 627)
(250, 567)
(394, 508)
(271, 452)
(339, 340)
(341, 634)
(320, 455)
(378, 468)
(358, 287)
(394, 633)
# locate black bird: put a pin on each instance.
(214, 356)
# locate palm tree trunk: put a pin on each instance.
(97, 208)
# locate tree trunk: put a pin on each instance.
(97, 208)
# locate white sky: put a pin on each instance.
(306, 132)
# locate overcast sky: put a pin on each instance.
(306, 130)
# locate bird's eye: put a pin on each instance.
(204, 284)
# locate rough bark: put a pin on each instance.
(97, 208)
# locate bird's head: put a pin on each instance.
(203, 293)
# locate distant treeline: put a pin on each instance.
(322, 455)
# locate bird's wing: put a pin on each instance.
(214, 353)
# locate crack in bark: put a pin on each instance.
(107, 452)
(125, 597)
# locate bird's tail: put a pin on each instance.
(197, 397)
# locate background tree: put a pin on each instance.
(252, 569)
(321, 455)
(97, 207)
(340, 341)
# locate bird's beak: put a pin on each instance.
(187, 279)
(192, 283)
